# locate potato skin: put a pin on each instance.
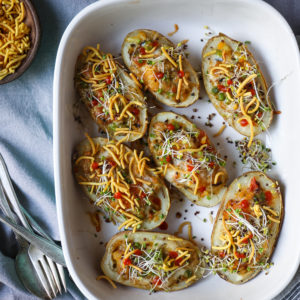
(133, 94)
(161, 239)
(225, 112)
(162, 192)
(197, 199)
(141, 34)
(239, 183)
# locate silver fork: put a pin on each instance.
(50, 274)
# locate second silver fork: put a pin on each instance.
(50, 274)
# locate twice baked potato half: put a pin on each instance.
(152, 261)
(188, 159)
(161, 66)
(247, 226)
(236, 85)
(119, 181)
(112, 97)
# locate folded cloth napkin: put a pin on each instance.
(26, 145)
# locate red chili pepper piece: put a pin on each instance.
(127, 261)
(168, 158)
(244, 204)
(108, 80)
(170, 127)
(173, 254)
(159, 75)
(229, 81)
(138, 252)
(252, 91)
(269, 197)
(142, 195)
(253, 185)
(135, 111)
(202, 189)
(156, 281)
(222, 254)
(178, 261)
(244, 122)
(154, 43)
(181, 74)
(118, 195)
(95, 102)
(142, 51)
(95, 165)
(240, 255)
(190, 167)
(222, 88)
(211, 164)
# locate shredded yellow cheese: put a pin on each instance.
(108, 279)
(15, 40)
(217, 176)
(190, 279)
(272, 219)
(243, 84)
(169, 57)
(135, 80)
(224, 70)
(220, 131)
(176, 27)
(209, 53)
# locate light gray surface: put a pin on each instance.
(26, 137)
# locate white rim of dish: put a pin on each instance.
(56, 134)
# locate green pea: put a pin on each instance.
(215, 90)
(221, 97)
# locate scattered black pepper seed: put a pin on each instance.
(184, 218)
(225, 157)
(196, 213)
(180, 199)
(101, 243)
(192, 204)
(186, 210)
(201, 40)
(95, 235)
(229, 140)
(199, 117)
(202, 239)
(193, 117)
(218, 144)
(223, 123)
(178, 215)
(212, 212)
(195, 109)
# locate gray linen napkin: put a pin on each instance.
(26, 143)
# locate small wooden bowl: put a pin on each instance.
(32, 21)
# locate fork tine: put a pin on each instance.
(54, 273)
(44, 264)
(43, 279)
(62, 276)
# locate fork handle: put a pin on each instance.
(49, 248)
(10, 192)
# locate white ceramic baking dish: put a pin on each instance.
(272, 41)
